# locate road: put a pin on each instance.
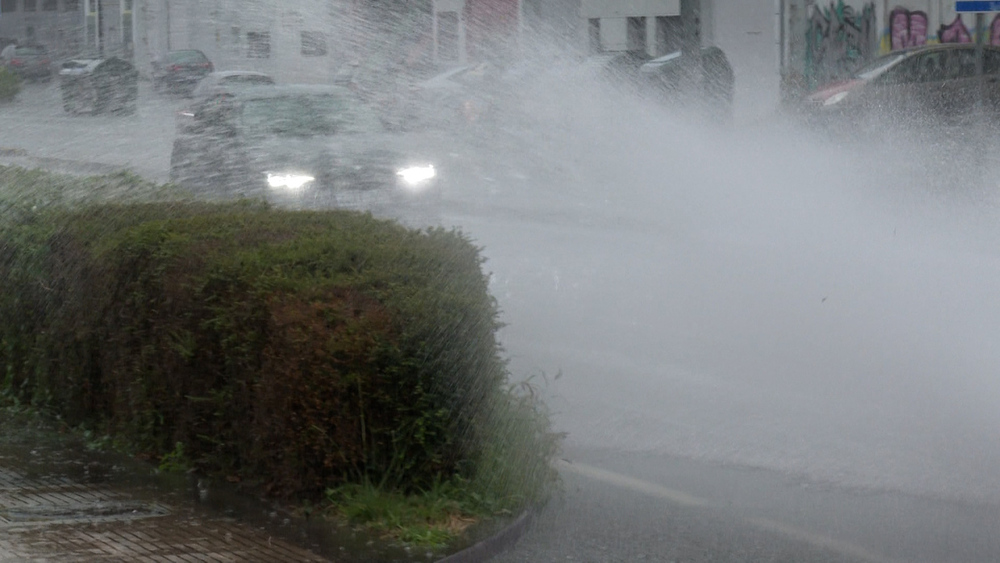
(762, 345)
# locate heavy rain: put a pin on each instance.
(755, 291)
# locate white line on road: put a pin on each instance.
(685, 499)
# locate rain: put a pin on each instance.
(763, 338)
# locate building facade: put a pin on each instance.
(828, 39)
(57, 24)
(465, 30)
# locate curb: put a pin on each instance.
(495, 545)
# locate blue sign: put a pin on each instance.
(977, 6)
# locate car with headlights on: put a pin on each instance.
(935, 83)
(305, 146)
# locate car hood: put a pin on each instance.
(367, 158)
(830, 90)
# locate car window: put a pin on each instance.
(960, 63)
(878, 66)
(308, 115)
(927, 67)
(991, 61)
(247, 80)
(29, 51)
(186, 57)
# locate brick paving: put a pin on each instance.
(168, 538)
(46, 516)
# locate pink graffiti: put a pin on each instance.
(908, 29)
(955, 32)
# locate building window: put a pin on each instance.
(71, 5)
(50, 5)
(313, 44)
(8, 6)
(258, 45)
(594, 35)
(635, 41)
(30, 5)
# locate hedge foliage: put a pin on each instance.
(297, 350)
(10, 85)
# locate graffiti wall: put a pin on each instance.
(827, 40)
(839, 39)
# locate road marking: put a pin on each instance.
(637, 485)
(685, 499)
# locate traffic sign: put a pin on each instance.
(977, 6)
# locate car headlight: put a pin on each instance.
(416, 176)
(835, 99)
(288, 181)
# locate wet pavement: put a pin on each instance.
(60, 501)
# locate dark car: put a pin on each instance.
(304, 146)
(180, 71)
(229, 83)
(96, 86)
(664, 77)
(30, 62)
(937, 83)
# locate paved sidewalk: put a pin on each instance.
(61, 502)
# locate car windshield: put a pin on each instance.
(29, 51)
(186, 57)
(233, 84)
(308, 115)
(878, 66)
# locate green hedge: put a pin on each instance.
(297, 350)
(10, 85)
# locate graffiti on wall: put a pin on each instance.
(839, 39)
(907, 28)
(955, 32)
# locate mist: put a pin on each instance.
(763, 295)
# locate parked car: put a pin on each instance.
(304, 146)
(937, 82)
(30, 62)
(663, 79)
(180, 71)
(99, 86)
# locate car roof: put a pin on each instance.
(278, 91)
(228, 73)
(909, 51)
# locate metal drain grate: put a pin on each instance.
(25, 502)
(68, 514)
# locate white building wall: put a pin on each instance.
(223, 29)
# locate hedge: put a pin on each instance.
(293, 350)
(10, 85)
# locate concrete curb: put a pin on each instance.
(494, 545)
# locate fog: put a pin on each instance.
(760, 294)
(763, 295)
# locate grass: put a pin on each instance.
(432, 518)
